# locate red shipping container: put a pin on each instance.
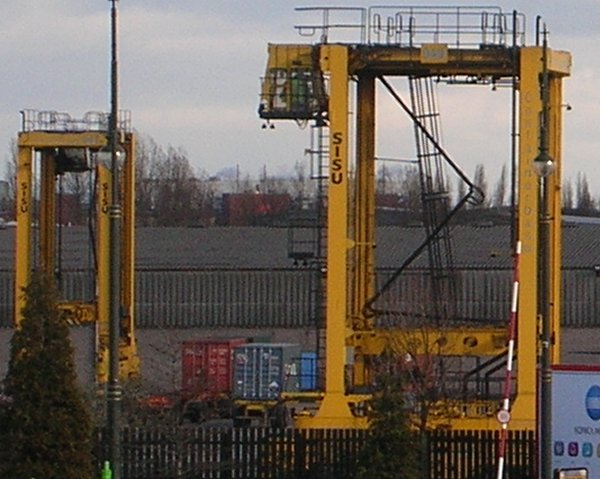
(206, 367)
(250, 209)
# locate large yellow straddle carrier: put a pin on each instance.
(360, 48)
(52, 144)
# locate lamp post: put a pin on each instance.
(544, 167)
(114, 391)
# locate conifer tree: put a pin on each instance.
(391, 451)
(45, 430)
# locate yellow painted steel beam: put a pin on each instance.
(24, 208)
(435, 342)
(44, 139)
(335, 409)
(103, 201)
(334, 60)
(428, 59)
(432, 60)
(47, 243)
(363, 256)
(555, 196)
(130, 362)
(363, 264)
(530, 106)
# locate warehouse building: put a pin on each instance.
(195, 283)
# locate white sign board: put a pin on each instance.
(576, 418)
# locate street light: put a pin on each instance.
(114, 390)
(544, 166)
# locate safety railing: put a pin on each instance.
(405, 26)
(55, 121)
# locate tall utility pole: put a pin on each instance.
(544, 166)
(114, 391)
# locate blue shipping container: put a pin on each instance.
(261, 371)
(308, 371)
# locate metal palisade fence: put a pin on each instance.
(271, 453)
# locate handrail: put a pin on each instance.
(412, 26)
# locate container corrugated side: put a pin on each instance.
(206, 367)
(261, 371)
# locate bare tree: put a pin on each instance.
(300, 187)
(7, 204)
(148, 158)
(168, 192)
(584, 202)
(500, 191)
(419, 356)
(409, 188)
(481, 182)
(181, 197)
(567, 195)
(384, 180)
(270, 184)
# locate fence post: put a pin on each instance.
(225, 453)
(424, 454)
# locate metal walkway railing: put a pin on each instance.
(413, 26)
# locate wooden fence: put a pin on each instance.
(268, 453)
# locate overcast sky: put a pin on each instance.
(190, 70)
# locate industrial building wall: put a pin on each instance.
(225, 298)
(283, 298)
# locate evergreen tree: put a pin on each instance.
(45, 431)
(390, 452)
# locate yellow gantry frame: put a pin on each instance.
(77, 312)
(350, 244)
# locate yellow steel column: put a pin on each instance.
(334, 410)
(130, 361)
(363, 268)
(103, 201)
(23, 233)
(47, 243)
(530, 106)
(334, 60)
(554, 184)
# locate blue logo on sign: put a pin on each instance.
(559, 448)
(592, 402)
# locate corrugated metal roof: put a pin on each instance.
(477, 246)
